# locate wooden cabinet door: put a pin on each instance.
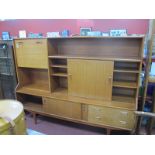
(62, 108)
(32, 53)
(112, 117)
(90, 78)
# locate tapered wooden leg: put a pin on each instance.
(35, 117)
(108, 131)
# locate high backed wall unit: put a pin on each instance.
(92, 80)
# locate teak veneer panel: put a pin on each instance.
(111, 116)
(32, 53)
(90, 79)
(62, 108)
(114, 47)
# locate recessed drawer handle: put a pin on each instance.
(38, 42)
(19, 43)
(124, 112)
(122, 122)
(98, 109)
(98, 117)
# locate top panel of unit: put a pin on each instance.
(87, 37)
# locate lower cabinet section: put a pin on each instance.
(112, 117)
(62, 108)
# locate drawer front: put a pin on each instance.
(32, 53)
(112, 117)
(62, 108)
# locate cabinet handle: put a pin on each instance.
(98, 109)
(20, 42)
(38, 42)
(70, 75)
(124, 112)
(122, 122)
(98, 117)
(110, 78)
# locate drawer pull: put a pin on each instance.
(123, 122)
(124, 112)
(20, 42)
(110, 79)
(97, 109)
(38, 42)
(98, 117)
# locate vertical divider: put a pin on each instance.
(49, 70)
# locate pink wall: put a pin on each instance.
(133, 26)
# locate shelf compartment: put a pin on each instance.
(125, 99)
(125, 84)
(126, 67)
(59, 66)
(31, 79)
(30, 102)
(58, 70)
(39, 89)
(37, 86)
(58, 57)
(60, 91)
(56, 61)
(83, 47)
(60, 74)
(30, 106)
(61, 57)
(124, 95)
(129, 77)
(124, 70)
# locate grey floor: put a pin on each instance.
(52, 126)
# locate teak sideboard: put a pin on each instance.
(90, 80)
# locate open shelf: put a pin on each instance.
(125, 84)
(31, 102)
(60, 74)
(94, 58)
(33, 81)
(126, 70)
(38, 89)
(122, 105)
(125, 99)
(125, 77)
(126, 67)
(58, 57)
(60, 91)
(59, 66)
(30, 106)
(124, 95)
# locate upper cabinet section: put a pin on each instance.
(98, 47)
(31, 53)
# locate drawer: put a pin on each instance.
(118, 118)
(32, 53)
(62, 108)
